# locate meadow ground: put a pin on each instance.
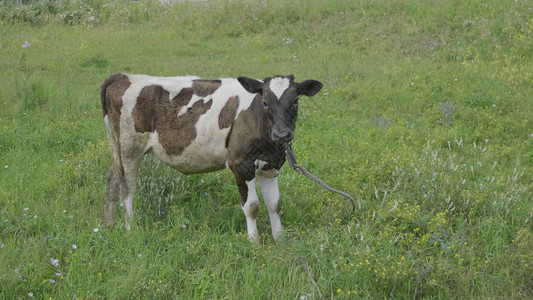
(425, 117)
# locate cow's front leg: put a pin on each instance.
(249, 200)
(250, 207)
(270, 191)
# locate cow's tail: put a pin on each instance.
(112, 135)
(103, 90)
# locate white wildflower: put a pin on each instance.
(54, 262)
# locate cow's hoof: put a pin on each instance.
(254, 239)
(279, 237)
(108, 224)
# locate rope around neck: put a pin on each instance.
(299, 169)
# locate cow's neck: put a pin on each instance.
(272, 152)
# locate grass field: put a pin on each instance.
(425, 117)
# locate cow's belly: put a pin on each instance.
(207, 153)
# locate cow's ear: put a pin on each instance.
(251, 85)
(309, 87)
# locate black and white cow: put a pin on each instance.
(197, 126)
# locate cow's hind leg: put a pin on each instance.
(270, 191)
(128, 185)
(112, 192)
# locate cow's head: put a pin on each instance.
(279, 98)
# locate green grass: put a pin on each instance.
(425, 117)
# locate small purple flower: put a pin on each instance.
(531, 135)
(74, 246)
(26, 44)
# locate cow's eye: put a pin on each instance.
(265, 105)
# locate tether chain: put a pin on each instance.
(299, 169)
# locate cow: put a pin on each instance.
(196, 126)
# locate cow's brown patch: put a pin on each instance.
(112, 91)
(155, 112)
(278, 206)
(254, 210)
(182, 132)
(228, 113)
(249, 141)
(251, 126)
(144, 112)
(204, 88)
(244, 141)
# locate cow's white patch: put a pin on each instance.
(259, 169)
(106, 120)
(206, 153)
(173, 85)
(278, 85)
(270, 191)
(250, 211)
(259, 164)
(232, 87)
(127, 204)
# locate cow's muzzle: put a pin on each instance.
(282, 136)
